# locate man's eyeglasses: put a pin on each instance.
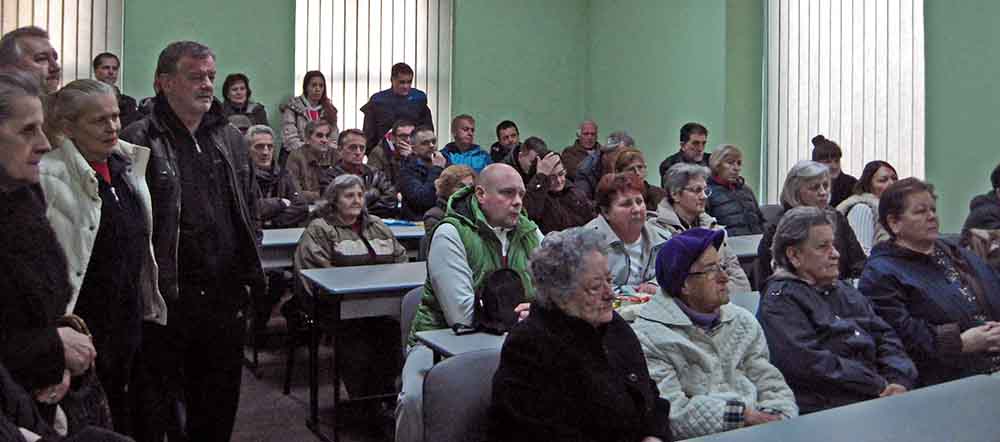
(355, 147)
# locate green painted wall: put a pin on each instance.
(547, 65)
(962, 101)
(255, 37)
(522, 60)
(744, 83)
(656, 65)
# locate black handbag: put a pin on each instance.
(86, 403)
(500, 292)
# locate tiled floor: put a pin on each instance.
(266, 414)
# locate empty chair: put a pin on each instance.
(457, 394)
(407, 311)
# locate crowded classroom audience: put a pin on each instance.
(132, 236)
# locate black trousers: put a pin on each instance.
(188, 374)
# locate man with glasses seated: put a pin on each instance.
(388, 155)
(310, 165)
(381, 198)
(684, 208)
(418, 172)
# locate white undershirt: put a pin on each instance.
(634, 252)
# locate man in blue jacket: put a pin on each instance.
(400, 102)
(463, 150)
(418, 172)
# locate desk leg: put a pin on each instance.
(334, 367)
(313, 422)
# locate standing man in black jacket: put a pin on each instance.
(400, 102)
(106, 67)
(205, 242)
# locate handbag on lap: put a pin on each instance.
(498, 295)
(86, 403)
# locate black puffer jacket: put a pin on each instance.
(562, 379)
(165, 190)
(735, 207)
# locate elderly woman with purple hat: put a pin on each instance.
(707, 356)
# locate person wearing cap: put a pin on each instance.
(684, 208)
(593, 167)
(824, 334)
(708, 357)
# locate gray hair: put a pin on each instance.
(680, 174)
(66, 104)
(801, 172)
(10, 44)
(793, 230)
(171, 56)
(555, 265)
(337, 187)
(314, 125)
(15, 85)
(258, 129)
(721, 154)
(619, 138)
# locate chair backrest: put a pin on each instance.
(772, 213)
(747, 300)
(457, 396)
(406, 313)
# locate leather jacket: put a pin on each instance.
(165, 190)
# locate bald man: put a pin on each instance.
(586, 145)
(484, 229)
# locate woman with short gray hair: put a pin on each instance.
(822, 331)
(343, 234)
(573, 369)
(732, 202)
(808, 185)
(99, 207)
(684, 209)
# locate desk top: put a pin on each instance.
(368, 279)
(290, 237)
(282, 237)
(744, 246)
(446, 343)
(957, 411)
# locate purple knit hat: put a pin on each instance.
(673, 263)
